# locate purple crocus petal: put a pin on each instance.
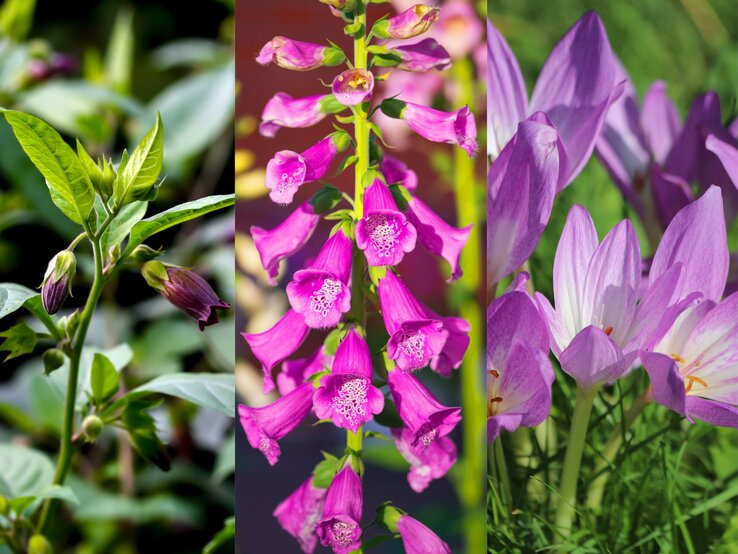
(495, 424)
(728, 155)
(522, 184)
(423, 56)
(353, 86)
(419, 410)
(292, 54)
(383, 233)
(456, 127)
(559, 333)
(397, 172)
(299, 512)
(282, 110)
(593, 358)
(414, 21)
(285, 239)
(576, 87)
(319, 296)
(670, 194)
(437, 236)
(716, 413)
(426, 464)
(667, 384)
(346, 396)
(339, 526)
(419, 539)
(696, 238)
(266, 425)
(275, 344)
(660, 121)
(507, 99)
(295, 372)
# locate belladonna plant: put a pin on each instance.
(343, 382)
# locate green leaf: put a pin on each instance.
(209, 390)
(142, 432)
(16, 18)
(176, 215)
(221, 537)
(143, 167)
(225, 464)
(12, 297)
(326, 198)
(20, 339)
(119, 56)
(24, 471)
(70, 187)
(123, 223)
(325, 471)
(103, 378)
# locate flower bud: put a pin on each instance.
(105, 186)
(39, 545)
(186, 290)
(388, 516)
(414, 21)
(143, 253)
(92, 426)
(53, 359)
(57, 283)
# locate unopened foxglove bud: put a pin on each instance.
(298, 55)
(57, 283)
(414, 21)
(186, 290)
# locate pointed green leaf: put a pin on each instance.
(142, 432)
(142, 169)
(122, 224)
(25, 471)
(103, 378)
(19, 340)
(209, 390)
(70, 187)
(12, 297)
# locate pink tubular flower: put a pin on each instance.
(285, 239)
(415, 339)
(320, 292)
(422, 56)
(295, 372)
(426, 464)
(437, 236)
(353, 86)
(288, 170)
(383, 233)
(265, 426)
(425, 417)
(346, 396)
(299, 512)
(458, 28)
(275, 344)
(339, 527)
(414, 21)
(284, 111)
(397, 172)
(452, 353)
(419, 539)
(456, 127)
(298, 55)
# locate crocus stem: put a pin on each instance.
(572, 462)
(472, 388)
(597, 487)
(65, 452)
(502, 473)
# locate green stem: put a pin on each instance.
(502, 473)
(355, 441)
(65, 453)
(572, 462)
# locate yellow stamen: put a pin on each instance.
(677, 358)
(421, 10)
(692, 380)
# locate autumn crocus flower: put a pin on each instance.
(727, 153)
(320, 292)
(57, 283)
(575, 89)
(339, 527)
(519, 373)
(265, 426)
(283, 110)
(300, 511)
(353, 86)
(297, 55)
(414, 21)
(426, 463)
(346, 395)
(383, 233)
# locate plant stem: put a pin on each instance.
(572, 462)
(65, 453)
(474, 406)
(502, 473)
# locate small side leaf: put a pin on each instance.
(142, 169)
(19, 340)
(104, 378)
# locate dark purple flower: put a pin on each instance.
(353, 86)
(339, 527)
(57, 283)
(426, 463)
(299, 512)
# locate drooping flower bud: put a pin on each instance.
(92, 426)
(414, 21)
(298, 55)
(57, 283)
(423, 56)
(186, 290)
(53, 359)
(283, 110)
(353, 86)
(38, 544)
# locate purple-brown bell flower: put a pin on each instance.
(426, 55)
(285, 239)
(383, 233)
(353, 86)
(340, 527)
(437, 236)
(346, 395)
(456, 127)
(320, 292)
(418, 538)
(414, 21)
(274, 345)
(415, 339)
(295, 372)
(288, 170)
(284, 111)
(426, 464)
(57, 283)
(186, 290)
(420, 411)
(298, 55)
(300, 511)
(266, 425)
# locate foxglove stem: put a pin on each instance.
(572, 462)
